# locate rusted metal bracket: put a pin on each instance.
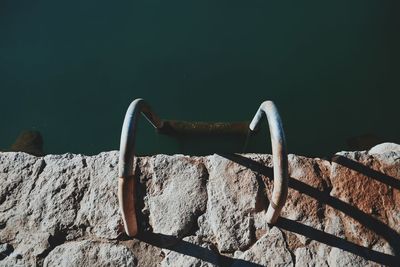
(127, 183)
(181, 128)
(280, 160)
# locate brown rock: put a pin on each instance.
(63, 209)
(30, 142)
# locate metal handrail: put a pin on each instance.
(280, 160)
(126, 181)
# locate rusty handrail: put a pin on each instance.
(280, 160)
(126, 181)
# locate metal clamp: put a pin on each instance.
(280, 160)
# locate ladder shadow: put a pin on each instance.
(390, 235)
(189, 249)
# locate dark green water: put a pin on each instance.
(70, 69)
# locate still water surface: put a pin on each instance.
(69, 69)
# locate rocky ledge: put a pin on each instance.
(201, 211)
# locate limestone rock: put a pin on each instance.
(338, 257)
(308, 178)
(99, 206)
(176, 194)
(201, 211)
(312, 256)
(89, 253)
(232, 193)
(205, 256)
(384, 148)
(270, 250)
(147, 254)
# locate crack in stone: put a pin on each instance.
(39, 171)
(55, 240)
(79, 199)
(292, 255)
(73, 231)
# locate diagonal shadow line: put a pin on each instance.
(178, 245)
(334, 241)
(373, 224)
(190, 249)
(356, 166)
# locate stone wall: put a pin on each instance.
(62, 210)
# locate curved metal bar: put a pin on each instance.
(280, 159)
(126, 181)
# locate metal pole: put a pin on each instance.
(279, 154)
(126, 181)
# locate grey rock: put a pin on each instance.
(176, 194)
(299, 206)
(63, 209)
(146, 254)
(232, 196)
(333, 223)
(32, 243)
(270, 250)
(98, 209)
(203, 254)
(384, 148)
(314, 255)
(42, 197)
(53, 201)
(89, 253)
(339, 257)
(18, 172)
(16, 260)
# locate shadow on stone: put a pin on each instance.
(358, 167)
(366, 220)
(334, 241)
(189, 249)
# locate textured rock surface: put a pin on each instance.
(89, 253)
(201, 211)
(181, 199)
(232, 194)
(204, 251)
(268, 250)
